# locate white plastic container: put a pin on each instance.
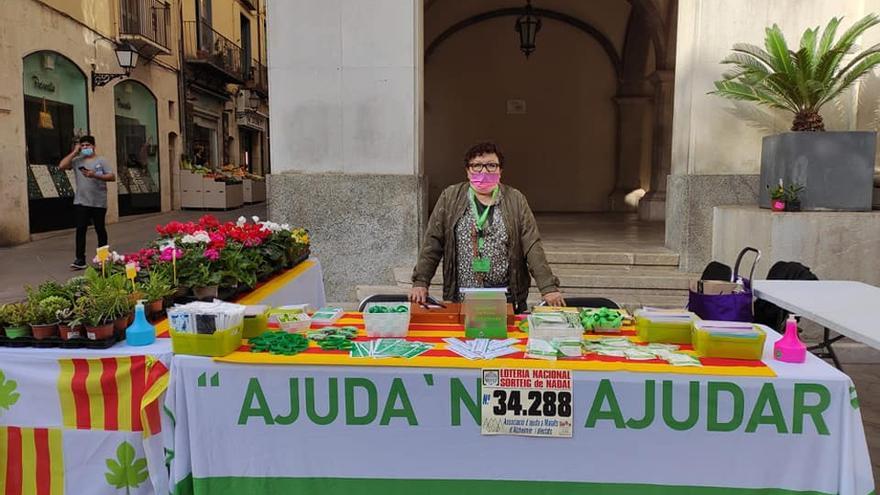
(554, 326)
(386, 324)
(297, 322)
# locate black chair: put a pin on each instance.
(587, 302)
(773, 316)
(382, 298)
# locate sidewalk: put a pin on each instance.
(49, 256)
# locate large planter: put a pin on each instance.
(836, 168)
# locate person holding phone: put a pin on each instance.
(91, 173)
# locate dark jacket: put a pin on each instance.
(526, 252)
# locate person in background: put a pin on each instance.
(486, 235)
(91, 173)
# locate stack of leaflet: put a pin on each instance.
(389, 348)
(669, 326)
(728, 339)
(481, 348)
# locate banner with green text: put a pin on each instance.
(279, 429)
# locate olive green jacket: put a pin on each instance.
(526, 252)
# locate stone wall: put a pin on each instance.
(361, 226)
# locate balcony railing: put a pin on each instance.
(258, 78)
(204, 45)
(146, 18)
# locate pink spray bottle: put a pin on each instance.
(789, 348)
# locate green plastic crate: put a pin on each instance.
(219, 343)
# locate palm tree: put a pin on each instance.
(799, 81)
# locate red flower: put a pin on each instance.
(209, 222)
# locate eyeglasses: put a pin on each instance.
(483, 167)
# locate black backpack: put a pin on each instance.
(769, 314)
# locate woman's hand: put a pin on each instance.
(418, 295)
(554, 299)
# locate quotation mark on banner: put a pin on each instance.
(215, 380)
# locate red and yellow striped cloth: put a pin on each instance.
(440, 357)
(32, 462)
(113, 393)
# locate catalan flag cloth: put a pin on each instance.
(393, 430)
(82, 421)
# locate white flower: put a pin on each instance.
(285, 226)
(241, 221)
(256, 219)
(196, 237)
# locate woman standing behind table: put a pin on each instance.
(486, 235)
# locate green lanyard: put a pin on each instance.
(482, 217)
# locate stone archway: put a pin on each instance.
(644, 65)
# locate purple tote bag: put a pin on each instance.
(727, 307)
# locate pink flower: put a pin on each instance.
(212, 254)
(167, 255)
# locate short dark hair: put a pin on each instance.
(87, 139)
(484, 148)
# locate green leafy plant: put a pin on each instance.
(777, 192)
(126, 471)
(8, 395)
(799, 81)
(44, 311)
(792, 193)
(111, 295)
(14, 314)
(156, 286)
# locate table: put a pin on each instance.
(246, 428)
(843, 306)
(303, 284)
(67, 415)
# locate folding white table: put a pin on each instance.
(846, 307)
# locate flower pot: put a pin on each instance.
(119, 326)
(156, 306)
(777, 205)
(14, 332)
(793, 205)
(208, 292)
(44, 331)
(66, 332)
(100, 332)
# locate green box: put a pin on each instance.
(219, 343)
(485, 314)
(256, 320)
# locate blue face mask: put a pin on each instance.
(87, 152)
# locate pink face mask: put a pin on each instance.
(484, 182)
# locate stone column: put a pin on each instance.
(653, 205)
(346, 102)
(633, 139)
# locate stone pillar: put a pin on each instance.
(653, 205)
(633, 135)
(346, 103)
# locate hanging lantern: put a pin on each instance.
(527, 25)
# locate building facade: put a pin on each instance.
(63, 79)
(609, 113)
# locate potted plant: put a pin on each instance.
(42, 315)
(16, 320)
(777, 197)
(68, 326)
(792, 197)
(98, 324)
(155, 289)
(802, 82)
